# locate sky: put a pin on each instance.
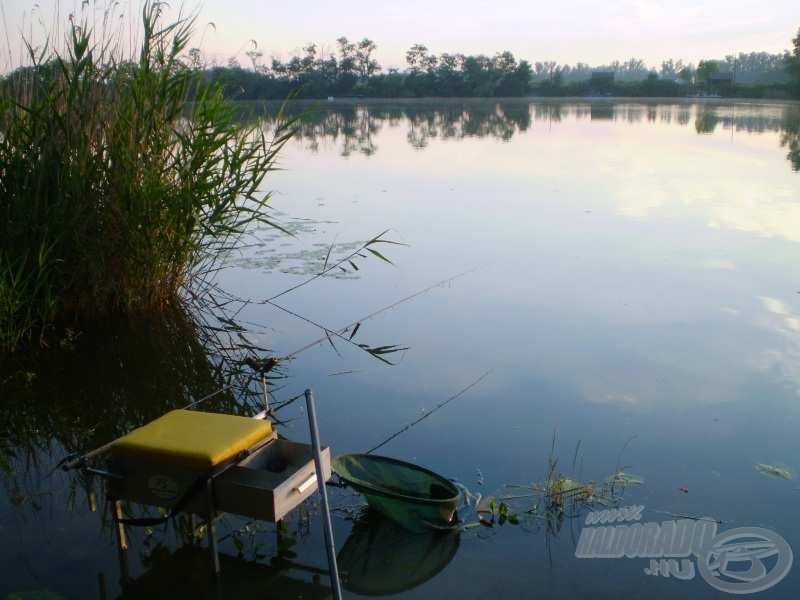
(566, 31)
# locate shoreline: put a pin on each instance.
(354, 100)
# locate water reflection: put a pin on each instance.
(100, 383)
(185, 573)
(381, 558)
(646, 269)
(354, 127)
(97, 385)
(790, 138)
(127, 372)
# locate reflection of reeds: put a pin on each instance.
(115, 194)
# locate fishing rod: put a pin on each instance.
(429, 413)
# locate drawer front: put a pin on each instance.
(300, 485)
(253, 491)
(243, 491)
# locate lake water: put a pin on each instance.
(627, 274)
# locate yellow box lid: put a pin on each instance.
(192, 439)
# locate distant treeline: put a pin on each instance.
(352, 71)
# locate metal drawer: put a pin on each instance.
(271, 482)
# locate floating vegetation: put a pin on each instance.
(550, 501)
(491, 511)
(266, 256)
(624, 479)
(778, 471)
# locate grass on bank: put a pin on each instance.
(116, 193)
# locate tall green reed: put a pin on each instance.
(117, 193)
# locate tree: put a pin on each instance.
(517, 81)
(671, 69)
(195, 59)
(546, 69)
(255, 57)
(416, 57)
(366, 65)
(309, 60)
(797, 45)
(347, 75)
(448, 63)
(793, 61)
(707, 69)
(504, 62)
(686, 74)
(449, 76)
(278, 67)
(347, 56)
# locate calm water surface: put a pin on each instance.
(631, 283)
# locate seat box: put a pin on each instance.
(156, 482)
(271, 482)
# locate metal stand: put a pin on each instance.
(326, 514)
(122, 540)
(212, 530)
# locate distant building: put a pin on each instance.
(722, 79)
(602, 78)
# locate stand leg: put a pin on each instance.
(101, 586)
(122, 541)
(193, 528)
(211, 527)
(323, 492)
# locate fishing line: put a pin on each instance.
(204, 398)
(428, 414)
(340, 331)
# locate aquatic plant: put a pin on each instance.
(777, 471)
(116, 194)
(551, 501)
